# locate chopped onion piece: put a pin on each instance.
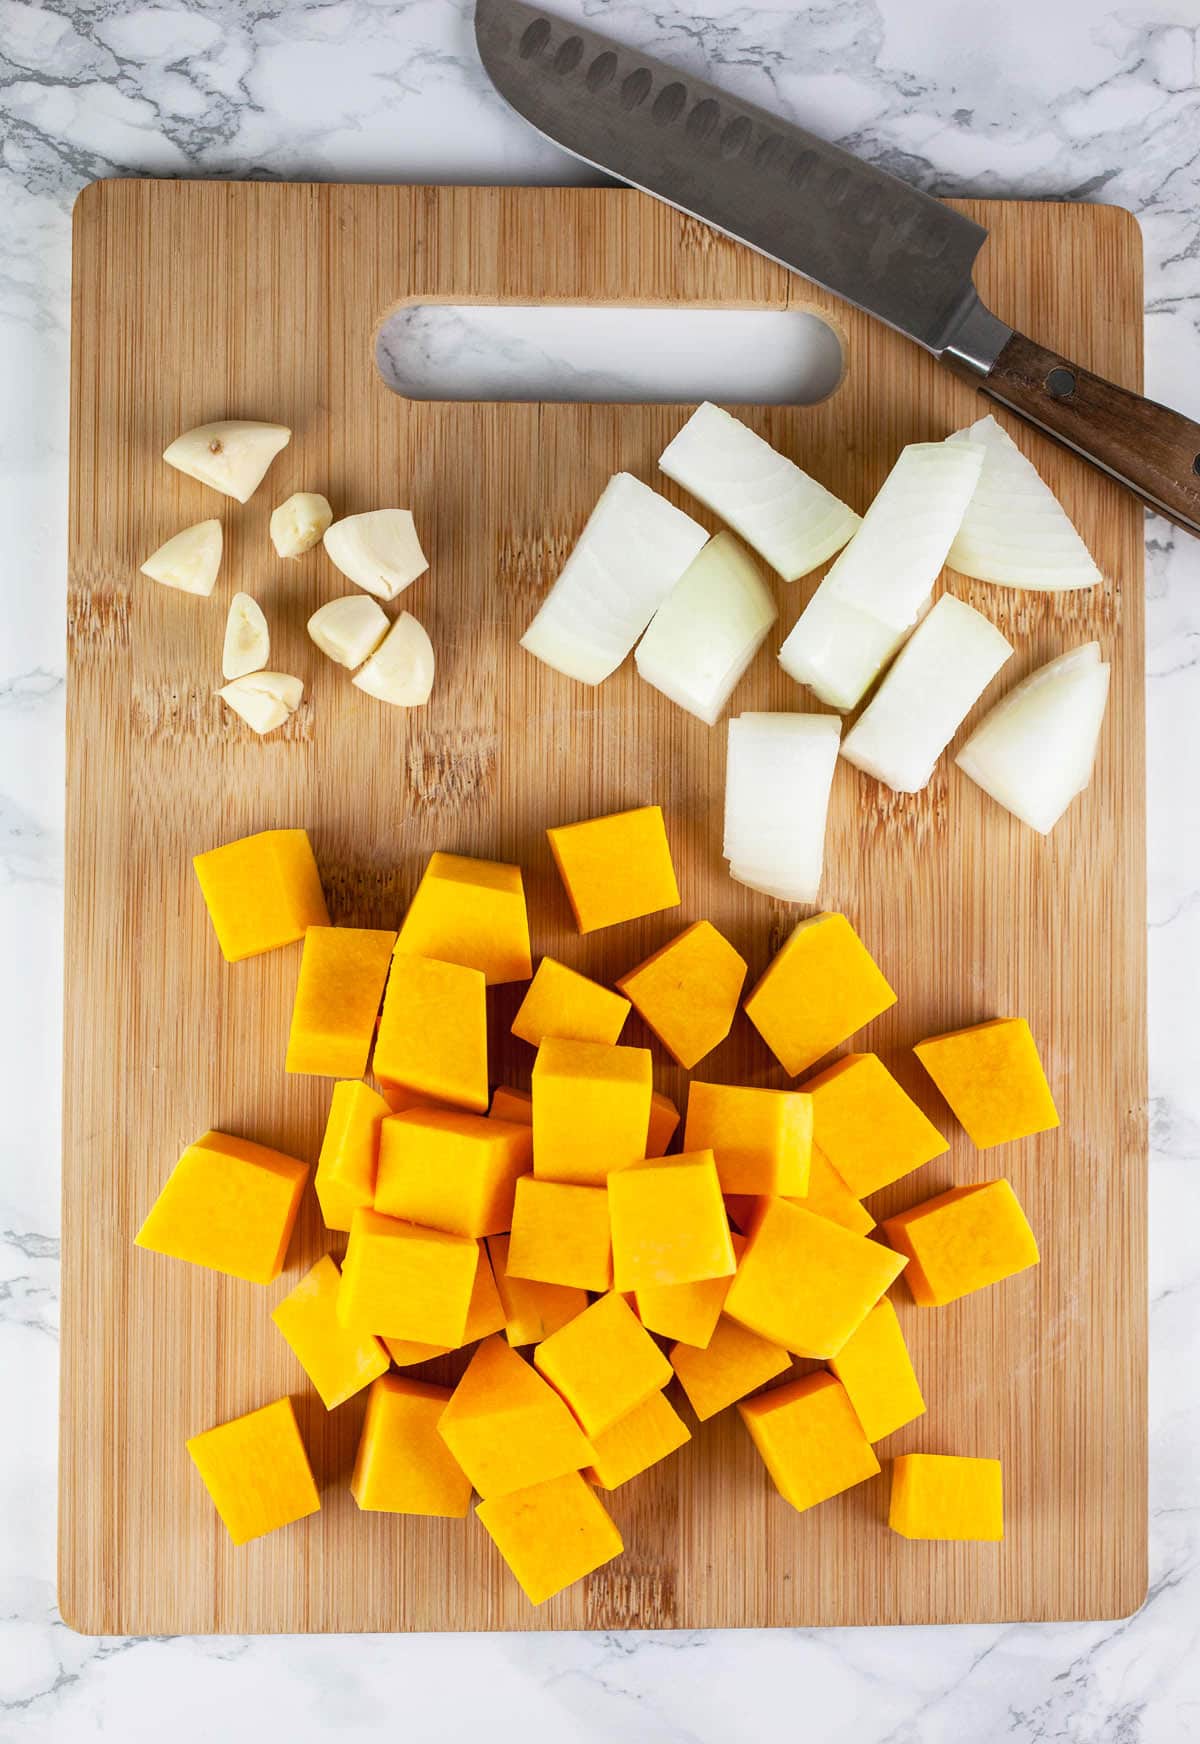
(1015, 530)
(264, 700)
(939, 674)
(778, 773)
(788, 518)
(378, 550)
(632, 551)
(400, 671)
(1035, 751)
(837, 650)
(708, 629)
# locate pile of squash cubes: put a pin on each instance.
(559, 1223)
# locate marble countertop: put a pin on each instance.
(1082, 99)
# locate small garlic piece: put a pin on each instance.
(401, 668)
(232, 456)
(247, 639)
(349, 629)
(298, 524)
(190, 560)
(264, 700)
(378, 551)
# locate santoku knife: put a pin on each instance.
(892, 251)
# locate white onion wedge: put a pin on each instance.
(708, 629)
(632, 551)
(786, 516)
(247, 646)
(778, 772)
(940, 673)
(189, 561)
(1015, 531)
(1035, 751)
(264, 700)
(349, 629)
(401, 669)
(231, 455)
(378, 551)
(836, 650)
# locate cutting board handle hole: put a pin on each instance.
(611, 355)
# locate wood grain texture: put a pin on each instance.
(196, 301)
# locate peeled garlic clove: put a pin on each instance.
(349, 629)
(190, 560)
(264, 700)
(247, 639)
(378, 551)
(232, 456)
(401, 668)
(300, 523)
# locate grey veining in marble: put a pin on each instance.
(1081, 99)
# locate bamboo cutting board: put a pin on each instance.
(199, 301)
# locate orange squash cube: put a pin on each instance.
(635, 1443)
(560, 1235)
(615, 868)
(400, 1100)
(809, 1439)
(401, 1281)
(552, 1534)
(734, 1362)
(506, 1427)
(451, 1170)
(938, 1495)
(828, 1196)
(962, 1241)
(591, 1110)
(807, 1283)
(470, 912)
(560, 1002)
(816, 992)
(668, 1222)
(762, 1139)
(532, 1311)
(485, 1315)
(604, 1363)
(346, 1167)
(513, 1105)
(992, 1078)
(687, 1313)
(868, 1128)
(433, 1032)
(338, 1360)
(876, 1370)
(228, 1204)
(256, 1471)
(403, 1465)
(342, 973)
(688, 991)
(261, 892)
(664, 1118)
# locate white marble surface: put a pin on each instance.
(1078, 98)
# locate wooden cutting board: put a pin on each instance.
(199, 301)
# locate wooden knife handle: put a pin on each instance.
(1148, 447)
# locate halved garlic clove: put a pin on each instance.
(349, 629)
(300, 523)
(232, 455)
(264, 700)
(247, 638)
(401, 668)
(190, 560)
(378, 551)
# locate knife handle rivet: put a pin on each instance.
(1196, 466)
(1061, 383)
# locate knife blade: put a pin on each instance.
(850, 227)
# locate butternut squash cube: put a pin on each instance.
(962, 1241)
(868, 1127)
(688, 991)
(604, 1363)
(261, 892)
(807, 1283)
(648, 1434)
(809, 1439)
(687, 1313)
(513, 1105)
(828, 1196)
(615, 868)
(561, 1002)
(470, 912)
(256, 1471)
(591, 1110)
(876, 1370)
(433, 1032)
(560, 1235)
(228, 1204)
(451, 1170)
(552, 1534)
(401, 1281)
(761, 1139)
(939, 1495)
(992, 1078)
(400, 1100)
(816, 992)
(664, 1118)
(734, 1362)
(668, 1222)
(403, 1465)
(349, 1159)
(485, 1315)
(532, 1311)
(338, 1360)
(342, 974)
(506, 1427)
